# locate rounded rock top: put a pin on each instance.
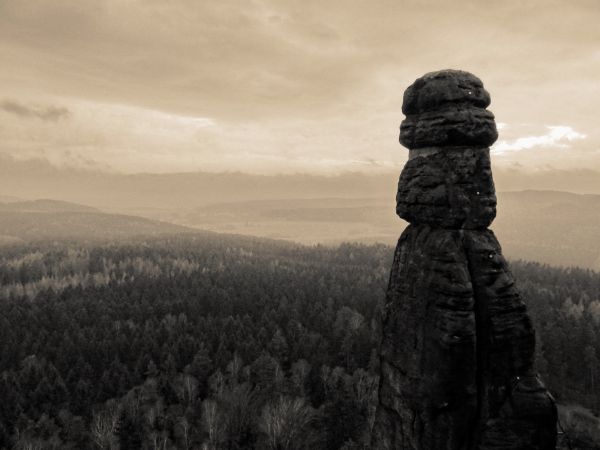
(434, 90)
(447, 109)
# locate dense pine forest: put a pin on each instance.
(223, 342)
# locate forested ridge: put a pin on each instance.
(224, 342)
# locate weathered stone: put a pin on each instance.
(428, 387)
(458, 347)
(449, 127)
(450, 188)
(447, 108)
(445, 87)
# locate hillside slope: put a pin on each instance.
(553, 227)
(558, 228)
(52, 219)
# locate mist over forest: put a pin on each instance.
(549, 216)
(31, 179)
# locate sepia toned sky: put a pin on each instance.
(287, 86)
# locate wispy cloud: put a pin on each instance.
(49, 113)
(557, 136)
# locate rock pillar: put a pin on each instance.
(457, 354)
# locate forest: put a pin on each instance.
(208, 341)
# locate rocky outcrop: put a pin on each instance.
(447, 108)
(458, 346)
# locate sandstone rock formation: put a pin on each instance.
(457, 355)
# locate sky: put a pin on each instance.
(286, 86)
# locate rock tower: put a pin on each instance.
(457, 355)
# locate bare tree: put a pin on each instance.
(158, 440)
(103, 427)
(365, 389)
(29, 444)
(183, 430)
(133, 402)
(234, 368)
(285, 422)
(237, 402)
(186, 388)
(213, 424)
(300, 371)
(217, 382)
(154, 412)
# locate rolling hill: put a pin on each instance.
(558, 228)
(52, 219)
(553, 227)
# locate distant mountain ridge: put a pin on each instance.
(54, 219)
(9, 199)
(45, 205)
(554, 227)
(121, 192)
(558, 228)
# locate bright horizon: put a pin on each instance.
(273, 87)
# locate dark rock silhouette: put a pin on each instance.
(457, 353)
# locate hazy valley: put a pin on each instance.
(553, 227)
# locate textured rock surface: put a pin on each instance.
(458, 347)
(449, 188)
(447, 108)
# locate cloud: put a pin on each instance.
(557, 136)
(48, 113)
(278, 85)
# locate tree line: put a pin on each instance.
(220, 342)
